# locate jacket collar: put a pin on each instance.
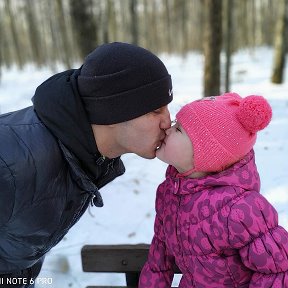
(58, 104)
(242, 174)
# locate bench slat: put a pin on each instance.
(114, 258)
(128, 259)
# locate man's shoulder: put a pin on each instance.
(21, 124)
(25, 116)
(22, 133)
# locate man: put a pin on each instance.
(57, 154)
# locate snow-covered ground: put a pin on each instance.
(128, 212)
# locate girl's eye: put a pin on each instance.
(178, 129)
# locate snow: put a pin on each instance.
(128, 213)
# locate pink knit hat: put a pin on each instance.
(223, 129)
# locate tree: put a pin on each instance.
(109, 23)
(84, 25)
(228, 41)
(1, 47)
(34, 35)
(14, 34)
(280, 43)
(134, 21)
(49, 32)
(65, 45)
(212, 46)
(167, 19)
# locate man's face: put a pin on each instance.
(143, 135)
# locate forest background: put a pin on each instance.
(65, 31)
(198, 40)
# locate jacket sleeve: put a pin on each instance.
(7, 193)
(158, 270)
(262, 243)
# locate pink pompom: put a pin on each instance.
(254, 113)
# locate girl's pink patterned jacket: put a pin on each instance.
(219, 230)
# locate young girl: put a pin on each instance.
(211, 219)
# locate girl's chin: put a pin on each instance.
(159, 154)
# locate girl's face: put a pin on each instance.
(177, 149)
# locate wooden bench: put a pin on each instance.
(128, 259)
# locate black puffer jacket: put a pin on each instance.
(50, 170)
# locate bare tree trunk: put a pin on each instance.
(107, 19)
(154, 42)
(252, 24)
(14, 34)
(178, 27)
(268, 18)
(53, 33)
(228, 41)
(48, 31)
(167, 19)
(65, 45)
(1, 56)
(1, 46)
(184, 17)
(112, 21)
(280, 43)
(125, 23)
(212, 47)
(84, 25)
(196, 25)
(33, 32)
(134, 21)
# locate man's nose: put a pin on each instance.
(165, 120)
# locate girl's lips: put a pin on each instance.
(164, 140)
(161, 143)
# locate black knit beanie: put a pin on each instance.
(119, 82)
